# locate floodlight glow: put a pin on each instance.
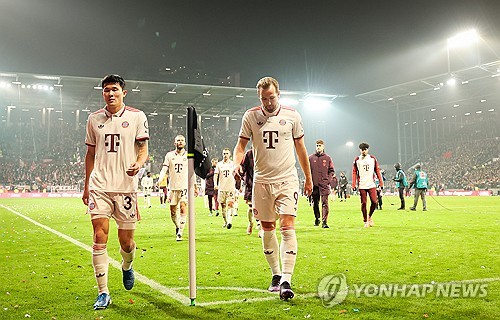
(451, 81)
(483, 100)
(413, 94)
(455, 105)
(349, 143)
(289, 102)
(465, 82)
(390, 99)
(467, 114)
(463, 39)
(433, 109)
(478, 112)
(491, 110)
(311, 102)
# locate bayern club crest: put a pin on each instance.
(282, 122)
(91, 206)
(255, 212)
(125, 124)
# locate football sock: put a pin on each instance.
(182, 224)
(127, 258)
(100, 261)
(250, 215)
(288, 249)
(230, 214)
(271, 247)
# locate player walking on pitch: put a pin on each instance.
(225, 186)
(117, 147)
(175, 168)
(276, 131)
(363, 169)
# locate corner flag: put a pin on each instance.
(199, 163)
(202, 162)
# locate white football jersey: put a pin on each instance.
(273, 136)
(114, 137)
(226, 178)
(365, 170)
(177, 170)
(147, 182)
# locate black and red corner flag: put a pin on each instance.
(196, 146)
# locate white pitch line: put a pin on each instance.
(151, 283)
(172, 293)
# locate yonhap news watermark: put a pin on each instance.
(334, 289)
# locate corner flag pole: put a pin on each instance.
(191, 118)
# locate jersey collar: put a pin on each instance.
(271, 114)
(119, 113)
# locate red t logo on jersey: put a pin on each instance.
(272, 137)
(112, 141)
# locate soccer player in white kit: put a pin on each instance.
(364, 169)
(117, 148)
(147, 188)
(275, 131)
(175, 167)
(225, 186)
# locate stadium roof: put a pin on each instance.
(470, 87)
(70, 93)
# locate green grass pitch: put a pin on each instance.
(47, 275)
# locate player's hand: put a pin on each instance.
(85, 197)
(237, 172)
(133, 169)
(308, 187)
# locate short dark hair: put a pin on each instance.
(319, 141)
(363, 146)
(418, 167)
(113, 78)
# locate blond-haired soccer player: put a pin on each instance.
(175, 168)
(276, 132)
(225, 186)
(117, 147)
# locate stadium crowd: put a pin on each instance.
(468, 158)
(34, 158)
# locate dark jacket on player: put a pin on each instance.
(322, 171)
(247, 173)
(209, 182)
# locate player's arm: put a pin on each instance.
(142, 157)
(164, 169)
(301, 150)
(216, 177)
(239, 153)
(379, 175)
(89, 166)
(354, 175)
